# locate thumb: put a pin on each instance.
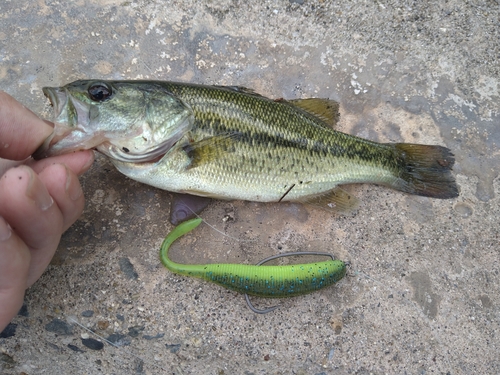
(14, 265)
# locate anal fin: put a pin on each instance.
(336, 200)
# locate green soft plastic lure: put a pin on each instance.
(257, 280)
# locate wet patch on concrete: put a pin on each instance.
(423, 293)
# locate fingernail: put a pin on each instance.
(5, 231)
(73, 188)
(37, 191)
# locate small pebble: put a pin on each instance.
(60, 327)
(158, 336)
(54, 346)
(134, 331)
(119, 340)
(75, 348)
(102, 324)
(139, 369)
(8, 331)
(92, 344)
(173, 348)
(24, 310)
(7, 361)
(87, 313)
(128, 268)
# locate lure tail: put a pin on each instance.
(425, 170)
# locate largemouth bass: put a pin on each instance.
(231, 143)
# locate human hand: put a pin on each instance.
(39, 200)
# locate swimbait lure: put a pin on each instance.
(257, 280)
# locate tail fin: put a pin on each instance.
(425, 170)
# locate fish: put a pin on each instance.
(229, 142)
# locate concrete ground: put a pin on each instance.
(422, 295)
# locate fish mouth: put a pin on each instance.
(66, 109)
(50, 93)
(67, 113)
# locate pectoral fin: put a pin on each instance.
(209, 149)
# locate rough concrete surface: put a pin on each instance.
(422, 295)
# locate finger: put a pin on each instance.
(29, 209)
(5, 165)
(21, 131)
(62, 184)
(78, 162)
(14, 265)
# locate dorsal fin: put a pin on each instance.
(244, 90)
(325, 109)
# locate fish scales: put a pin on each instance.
(231, 143)
(276, 144)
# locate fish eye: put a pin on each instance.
(99, 92)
